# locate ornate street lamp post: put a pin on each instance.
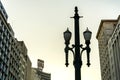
(76, 52)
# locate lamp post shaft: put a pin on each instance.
(77, 56)
(77, 46)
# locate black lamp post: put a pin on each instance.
(76, 52)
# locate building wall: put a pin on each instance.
(34, 75)
(3, 12)
(104, 33)
(40, 64)
(112, 48)
(9, 65)
(29, 69)
(14, 61)
(5, 40)
(23, 53)
(38, 74)
(114, 52)
(25, 67)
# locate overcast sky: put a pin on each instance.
(41, 23)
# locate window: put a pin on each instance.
(0, 74)
(0, 53)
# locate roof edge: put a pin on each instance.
(105, 20)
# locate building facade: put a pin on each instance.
(28, 68)
(8, 64)
(114, 52)
(25, 63)
(14, 61)
(38, 74)
(108, 50)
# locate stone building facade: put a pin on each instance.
(14, 61)
(38, 74)
(108, 49)
(114, 52)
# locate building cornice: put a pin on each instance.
(101, 24)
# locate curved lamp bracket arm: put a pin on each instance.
(88, 49)
(83, 49)
(67, 48)
(81, 46)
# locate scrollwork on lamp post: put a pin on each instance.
(76, 52)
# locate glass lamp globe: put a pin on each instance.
(87, 34)
(67, 36)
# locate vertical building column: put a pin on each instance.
(115, 59)
(119, 53)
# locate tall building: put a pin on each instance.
(38, 74)
(13, 68)
(29, 69)
(9, 67)
(114, 52)
(25, 63)
(14, 61)
(109, 45)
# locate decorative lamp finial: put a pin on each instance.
(76, 9)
